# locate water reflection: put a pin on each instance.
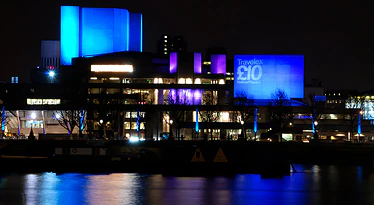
(310, 185)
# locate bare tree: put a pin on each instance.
(280, 112)
(355, 107)
(210, 113)
(176, 112)
(316, 110)
(244, 109)
(69, 119)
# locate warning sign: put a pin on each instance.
(197, 156)
(220, 157)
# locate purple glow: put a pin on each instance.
(173, 62)
(186, 96)
(197, 63)
(218, 65)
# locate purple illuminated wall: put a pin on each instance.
(218, 64)
(173, 62)
(188, 96)
(197, 63)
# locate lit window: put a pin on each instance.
(165, 41)
(197, 81)
(188, 81)
(165, 36)
(165, 53)
(165, 49)
(165, 45)
(221, 81)
(334, 94)
(339, 94)
(181, 81)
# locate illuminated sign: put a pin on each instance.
(259, 76)
(43, 101)
(112, 68)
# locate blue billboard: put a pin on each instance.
(259, 76)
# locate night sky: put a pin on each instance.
(336, 39)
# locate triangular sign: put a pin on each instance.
(197, 156)
(220, 157)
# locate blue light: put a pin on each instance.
(197, 120)
(258, 76)
(69, 34)
(3, 119)
(359, 124)
(136, 32)
(104, 30)
(51, 73)
(255, 113)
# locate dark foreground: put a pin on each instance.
(176, 158)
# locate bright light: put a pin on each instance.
(188, 81)
(51, 73)
(57, 115)
(101, 121)
(181, 81)
(33, 115)
(113, 78)
(171, 122)
(112, 68)
(93, 78)
(221, 81)
(197, 81)
(165, 36)
(315, 123)
(242, 122)
(134, 139)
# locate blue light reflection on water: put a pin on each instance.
(310, 185)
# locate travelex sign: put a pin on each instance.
(259, 76)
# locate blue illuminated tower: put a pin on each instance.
(95, 31)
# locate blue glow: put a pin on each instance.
(104, 30)
(136, 32)
(51, 74)
(359, 124)
(255, 120)
(258, 76)
(69, 34)
(3, 119)
(81, 119)
(197, 120)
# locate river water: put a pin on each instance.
(311, 184)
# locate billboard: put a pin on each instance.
(259, 76)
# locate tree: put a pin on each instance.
(244, 109)
(316, 109)
(280, 112)
(355, 106)
(69, 119)
(176, 112)
(210, 113)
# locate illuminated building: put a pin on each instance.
(94, 31)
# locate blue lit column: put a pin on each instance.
(197, 122)
(69, 38)
(255, 119)
(3, 120)
(359, 122)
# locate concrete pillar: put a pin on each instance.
(43, 122)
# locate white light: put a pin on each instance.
(171, 122)
(197, 81)
(166, 41)
(51, 73)
(165, 52)
(93, 78)
(165, 49)
(113, 78)
(33, 115)
(101, 121)
(112, 68)
(181, 81)
(221, 81)
(165, 36)
(188, 81)
(155, 81)
(134, 139)
(57, 115)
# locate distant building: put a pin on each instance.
(167, 44)
(50, 54)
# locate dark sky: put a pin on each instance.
(336, 39)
